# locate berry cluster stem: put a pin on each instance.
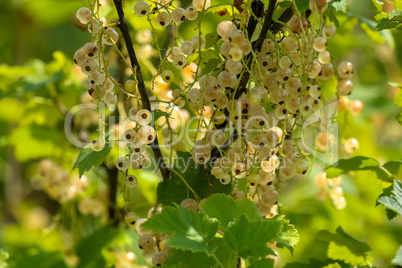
(141, 85)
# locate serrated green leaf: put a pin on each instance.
(89, 158)
(376, 5)
(250, 238)
(394, 21)
(398, 257)
(398, 98)
(341, 238)
(224, 253)
(288, 236)
(211, 39)
(356, 163)
(174, 190)
(340, 6)
(188, 230)
(262, 263)
(338, 252)
(394, 201)
(225, 209)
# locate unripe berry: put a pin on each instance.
(167, 76)
(130, 85)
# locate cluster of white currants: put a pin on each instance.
(58, 183)
(330, 187)
(92, 60)
(152, 245)
(166, 14)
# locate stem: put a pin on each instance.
(141, 85)
(187, 185)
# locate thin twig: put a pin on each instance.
(141, 85)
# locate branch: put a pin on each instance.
(141, 85)
(257, 47)
(284, 18)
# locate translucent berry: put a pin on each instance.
(344, 87)
(122, 163)
(168, 76)
(84, 15)
(356, 107)
(143, 117)
(191, 14)
(131, 181)
(328, 31)
(131, 218)
(163, 19)
(178, 15)
(141, 8)
(110, 36)
(97, 145)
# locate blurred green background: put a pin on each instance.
(38, 40)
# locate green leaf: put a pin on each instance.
(211, 39)
(249, 208)
(343, 166)
(395, 168)
(262, 263)
(285, 4)
(53, 259)
(398, 98)
(333, 265)
(302, 5)
(158, 114)
(376, 6)
(88, 249)
(398, 118)
(288, 236)
(394, 201)
(221, 207)
(250, 238)
(173, 190)
(394, 21)
(224, 253)
(398, 258)
(186, 259)
(4, 256)
(343, 253)
(189, 230)
(340, 6)
(349, 249)
(89, 158)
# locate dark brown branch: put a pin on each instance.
(256, 47)
(284, 18)
(141, 85)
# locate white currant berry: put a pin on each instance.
(131, 181)
(163, 19)
(344, 87)
(141, 8)
(146, 134)
(79, 57)
(314, 91)
(110, 35)
(225, 179)
(159, 258)
(301, 167)
(345, 70)
(320, 44)
(356, 107)
(167, 76)
(328, 31)
(137, 147)
(235, 53)
(191, 13)
(201, 4)
(178, 15)
(97, 145)
(96, 78)
(172, 52)
(180, 61)
(89, 66)
(94, 26)
(289, 44)
(191, 204)
(84, 15)
(130, 135)
(187, 48)
(110, 99)
(131, 218)
(324, 57)
(351, 145)
(96, 92)
(143, 117)
(224, 29)
(122, 163)
(197, 40)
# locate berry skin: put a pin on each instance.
(143, 117)
(159, 258)
(122, 163)
(168, 76)
(130, 85)
(97, 145)
(187, 48)
(163, 19)
(130, 136)
(109, 35)
(356, 107)
(345, 70)
(141, 8)
(178, 15)
(89, 66)
(328, 31)
(201, 4)
(196, 42)
(131, 218)
(91, 50)
(351, 145)
(84, 15)
(79, 57)
(191, 204)
(131, 181)
(320, 44)
(146, 134)
(344, 87)
(191, 14)
(94, 26)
